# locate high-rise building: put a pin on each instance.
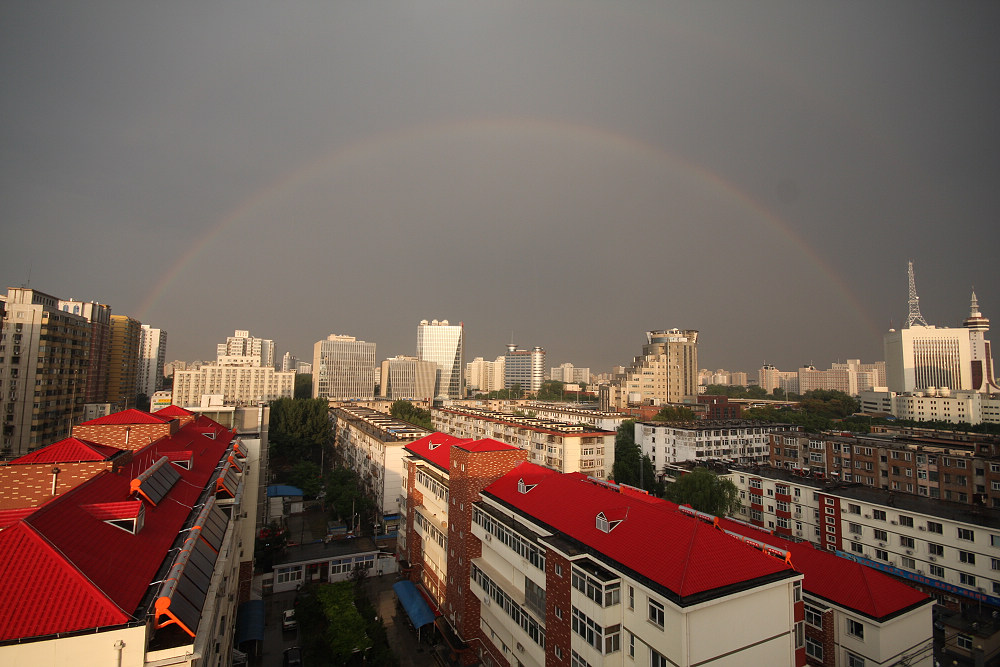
(43, 368)
(525, 368)
(484, 376)
(922, 357)
(345, 368)
(152, 357)
(444, 344)
(123, 369)
(242, 349)
(407, 378)
(667, 371)
(99, 316)
(570, 374)
(770, 378)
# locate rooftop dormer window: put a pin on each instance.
(524, 488)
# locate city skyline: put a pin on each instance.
(569, 175)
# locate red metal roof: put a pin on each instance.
(486, 445)
(839, 580)
(651, 538)
(69, 450)
(125, 417)
(41, 592)
(173, 411)
(435, 448)
(73, 545)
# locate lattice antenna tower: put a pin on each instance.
(914, 316)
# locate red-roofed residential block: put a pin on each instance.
(69, 450)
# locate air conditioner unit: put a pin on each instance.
(843, 510)
(868, 516)
(921, 528)
(981, 589)
(881, 544)
(486, 601)
(920, 571)
(488, 538)
(520, 647)
(931, 558)
(909, 552)
(895, 523)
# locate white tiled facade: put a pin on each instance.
(238, 385)
(344, 368)
(671, 442)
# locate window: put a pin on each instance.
(966, 579)
(854, 509)
(882, 554)
(936, 571)
(814, 649)
(935, 527)
(908, 563)
(656, 613)
(966, 534)
(856, 629)
(814, 617)
(995, 563)
(657, 660)
(906, 542)
(881, 535)
(857, 548)
(906, 521)
(964, 641)
(878, 515)
(855, 660)
(854, 528)
(935, 549)
(967, 557)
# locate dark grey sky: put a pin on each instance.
(573, 172)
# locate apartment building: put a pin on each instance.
(152, 356)
(242, 349)
(99, 316)
(524, 368)
(925, 465)
(43, 370)
(484, 376)
(123, 369)
(238, 385)
(437, 468)
(566, 412)
(946, 549)
(666, 372)
(138, 565)
(372, 443)
(345, 368)
(407, 378)
(557, 445)
(741, 441)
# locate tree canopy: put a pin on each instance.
(411, 414)
(298, 429)
(303, 385)
(705, 491)
(674, 413)
(631, 466)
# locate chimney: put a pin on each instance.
(55, 476)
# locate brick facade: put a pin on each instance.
(557, 603)
(125, 436)
(470, 473)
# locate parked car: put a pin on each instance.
(293, 657)
(288, 621)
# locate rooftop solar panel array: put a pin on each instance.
(156, 481)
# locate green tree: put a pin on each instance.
(672, 413)
(303, 385)
(551, 390)
(307, 476)
(705, 491)
(631, 466)
(298, 430)
(411, 414)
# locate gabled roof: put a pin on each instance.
(118, 564)
(173, 411)
(69, 449)
(126, 417)
(839, 580)
(435, 448)
(30, 484)
(486, 445)
(685, 556)
(43, 593)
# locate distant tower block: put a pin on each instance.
(914, 317)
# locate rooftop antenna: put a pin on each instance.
(914, 316)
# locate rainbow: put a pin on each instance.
(384, 143)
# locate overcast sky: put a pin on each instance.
(571, 174)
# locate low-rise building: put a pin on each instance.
(142, 564)
(557, 445)
(740, 441)
(371, 443)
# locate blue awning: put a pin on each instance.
(250, 622)
(416, 607)
(278, 490)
